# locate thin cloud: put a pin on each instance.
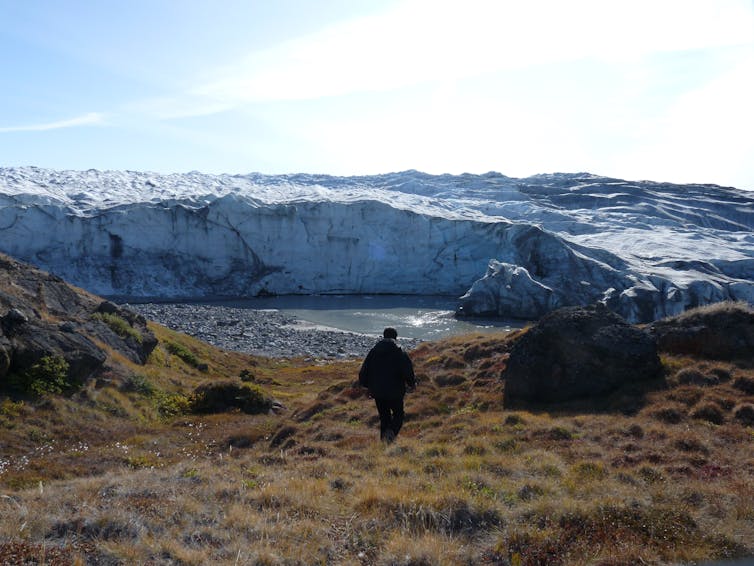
(89, 119)
(424, 41)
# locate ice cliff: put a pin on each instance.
(511, 247)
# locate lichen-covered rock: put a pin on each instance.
(575, 353)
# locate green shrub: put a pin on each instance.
(221, 396)
(138, 384)
(48, 375)
(10, 408)
(171, 404)
(119, 325)
(9, 411)
(183, 353)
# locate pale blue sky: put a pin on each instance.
(639, 89)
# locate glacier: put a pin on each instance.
(507, 247)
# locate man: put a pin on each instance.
(386, 372)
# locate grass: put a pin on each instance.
(110, 474)
(184, 353)
(119, 325)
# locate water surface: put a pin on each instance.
(421, 317)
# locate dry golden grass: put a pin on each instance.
(105, 476)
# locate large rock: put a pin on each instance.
(42, 316)
(724, 331)
(575, 353)
(35, 340)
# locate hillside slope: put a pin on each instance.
(122, 471)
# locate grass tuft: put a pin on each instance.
(119, 325)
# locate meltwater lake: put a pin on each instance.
(418, 317)
(321, 326)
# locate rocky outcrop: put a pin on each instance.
(34, 339)
(575, 353)
(41, 316)
(724, 331)
(136, 343)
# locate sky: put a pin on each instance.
(637, 89)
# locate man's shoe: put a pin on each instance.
(389, 436)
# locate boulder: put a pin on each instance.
(35, 340)
(723, 331)
(576, 353)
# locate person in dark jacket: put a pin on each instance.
(387, 371)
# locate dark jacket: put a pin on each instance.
(387, 370)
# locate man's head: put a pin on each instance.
(390, 333)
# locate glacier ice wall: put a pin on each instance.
(511, 247)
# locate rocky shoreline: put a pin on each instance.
(260, 332)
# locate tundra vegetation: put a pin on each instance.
(188, 460)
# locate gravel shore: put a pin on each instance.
(260, 332)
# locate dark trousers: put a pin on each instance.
(391, 415)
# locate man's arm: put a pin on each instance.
(408, 371)
(364, 371)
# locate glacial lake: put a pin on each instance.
(421, 317)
